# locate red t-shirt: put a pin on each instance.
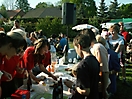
(47, 60)
(28, 58)
(10, 66)
(21, 65)
(125, 35)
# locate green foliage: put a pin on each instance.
(125, 10)
(23, 4)
(53, 26)
(2, 7)
(3, 11)
(113, 10)
(102, 11)
(49, 26)
(90, 8)
(94, 21)
(18, 17)
(58, 4)
(1, 22)
(29, 27)
(4, 14)
(7, 28)
(64, 1)
(124, 91)
(84, 8)
(44, 5)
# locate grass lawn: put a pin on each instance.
(71, 45)
(123, 91)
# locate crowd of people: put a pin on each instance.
(102, 58)
(109, 48)
(23, 54)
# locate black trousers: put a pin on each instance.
(18, 82)
(8, 88)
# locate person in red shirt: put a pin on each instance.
(10, 66)
(46, 61)
(21, 73)
(10, 44)
(126, 36)
(34, 55)
(124, 33)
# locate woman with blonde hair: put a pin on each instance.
(117, 43)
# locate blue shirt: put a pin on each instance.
(64, 42)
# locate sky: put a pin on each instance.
(33, 3)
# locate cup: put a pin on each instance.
(53, 63)
(49, 68)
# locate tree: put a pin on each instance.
(94, 21)
(50, 26)
(23, 4)
(58, 4)
(113, 10)
(102, 11)
(84, 8)
(9, 4)
(90, 8)
(3, 11)
(2, 7)
(44, 5)
(125, 10)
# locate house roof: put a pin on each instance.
(43, 12)
(13, 13)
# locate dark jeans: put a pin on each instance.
(8, 88)
(18, 82)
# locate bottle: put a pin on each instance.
(53, 64)
(55, 91)
(25, 79)
(57, 59)
(29, 83)
(60, 88)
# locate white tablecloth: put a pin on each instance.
(60, 71)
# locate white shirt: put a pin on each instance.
(120, 41)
